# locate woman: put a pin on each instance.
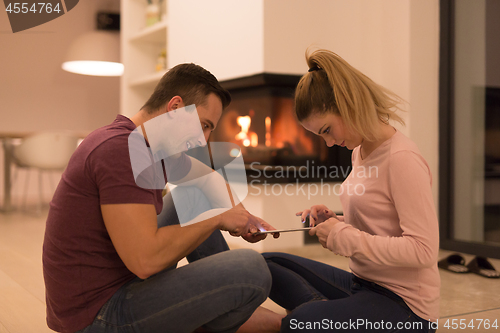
(389, 229)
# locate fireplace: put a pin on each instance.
(261, 120)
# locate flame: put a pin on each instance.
(268, 132)
(248, 138)
(244, 122)
(254, 139)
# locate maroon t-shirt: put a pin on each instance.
(81, 267)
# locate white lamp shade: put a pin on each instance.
(95, 53)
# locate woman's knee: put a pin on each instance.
(271, 256)
(296, 319)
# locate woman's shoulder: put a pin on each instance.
(405, 154)
(400, 142)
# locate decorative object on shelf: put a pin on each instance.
(162, 4)
(161, 63)
(152, 13)
(144, 50)
(97, 52)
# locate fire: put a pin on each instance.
(247, 137)
(268, 132)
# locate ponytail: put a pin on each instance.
(332, 85)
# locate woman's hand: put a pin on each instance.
(323, 230)
(317, 214)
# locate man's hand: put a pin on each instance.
(317, 214)
(238, 221)
(252, 237)
(323, 230)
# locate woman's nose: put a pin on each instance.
(330, 142)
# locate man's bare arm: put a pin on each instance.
(146, 249)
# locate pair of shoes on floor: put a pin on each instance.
(456, 263)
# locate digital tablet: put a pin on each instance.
(282, 230)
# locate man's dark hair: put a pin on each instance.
(191, 82)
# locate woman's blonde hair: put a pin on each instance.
(332, 85)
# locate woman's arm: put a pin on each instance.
(411, 194)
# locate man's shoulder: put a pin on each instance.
(114, 134)
(121, 126)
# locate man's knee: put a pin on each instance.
(245, 281)
(250, 267)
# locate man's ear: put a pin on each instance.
(175, 103)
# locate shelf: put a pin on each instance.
(147, 80)
(140, 50)
(156, 33)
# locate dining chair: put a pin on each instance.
(44, 151)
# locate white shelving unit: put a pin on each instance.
(140, 48)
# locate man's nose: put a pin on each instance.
(202, 140)
(205, 137)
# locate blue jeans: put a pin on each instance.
(219, 290)
(323, 298)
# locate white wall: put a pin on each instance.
(373, 36)
(424, 83)
(223, 36)
(36, 94)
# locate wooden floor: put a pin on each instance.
(22, 299)
(22, 291)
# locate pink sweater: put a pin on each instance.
(390, 231)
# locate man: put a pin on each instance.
(109, 262)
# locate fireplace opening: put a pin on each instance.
(261, 120)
